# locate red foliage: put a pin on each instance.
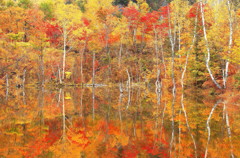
(130, 152)
(195, 10)
(165, 10)
(53, 32)
(133, 16)
(153, 21)
(86, 22)
(41, 144)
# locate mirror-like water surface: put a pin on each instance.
(75, 122)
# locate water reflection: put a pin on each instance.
(208, 127)
(100, 122)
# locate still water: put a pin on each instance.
(81, 122)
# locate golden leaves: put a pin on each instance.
(67, 15)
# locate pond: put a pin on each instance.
(102, 122)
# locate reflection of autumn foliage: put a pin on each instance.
(35, 148)
(79, 137)
(37, 130)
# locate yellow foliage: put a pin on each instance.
(67, 15)
(68, 95)
(68, 74)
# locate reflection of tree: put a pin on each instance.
(55, 126)
(208, 127)
(173, 129)
(225, 111)
(189, 128)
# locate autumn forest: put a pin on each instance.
(105, 78)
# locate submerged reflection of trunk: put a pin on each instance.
(158, 93)
(119, 109)
(162, 122)
(129, 88)
(189, 128)
(81, 103)
(63, 117)
(59, 97)
(41, 97)
(93, 102)
(228, 129)
(208, 127)
(179, 133)
(173, 103)
(150, 127)
(41, 104)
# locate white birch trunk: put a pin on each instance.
(120, 55)
(225, 72)
(187, 57)
(207, 47)
(93, 69)
(64, 52)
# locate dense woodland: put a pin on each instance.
(171, 44)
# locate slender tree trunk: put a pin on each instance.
(93, 69)
(207, 47)
(163, 60)
(157, 83)
(81, 67)
(225, 72)
(59, 75)
(129, 88)
(108, 52)
(81, 61)
(142, 39)
(134, 39)
(7, 82)
(23, 86)
(187, 57)
(7, 86)
(24, 77)
(172, 42)
(120, 54)
(106, 38)
(64, 51)
(179, 37)
(41, 69)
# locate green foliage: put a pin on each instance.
(81, 4)
(10, 3)
(25, 4)
(121, 2)
(237, 78)
(47, 8)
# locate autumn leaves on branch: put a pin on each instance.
(58, 42)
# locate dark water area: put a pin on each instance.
(102, 122)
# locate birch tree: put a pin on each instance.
(67, 15)
(208, 56)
